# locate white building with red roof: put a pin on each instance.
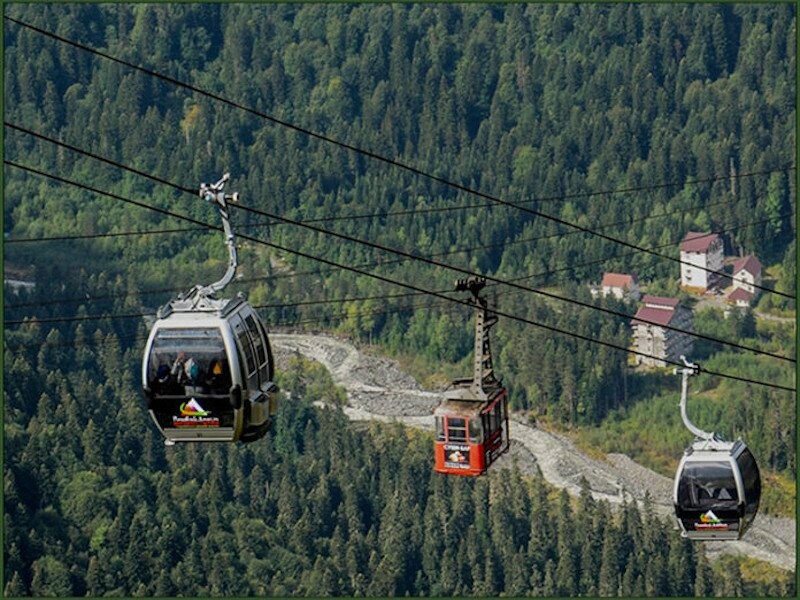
(701, 253)
(653, 334)
(620, 285)
(747, 274)
(740, 297)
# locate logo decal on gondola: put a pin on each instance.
(709, 517)
(192, 409)
(194, 415)
(456, 456)
(709, 520)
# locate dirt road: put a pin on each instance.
(378, 389)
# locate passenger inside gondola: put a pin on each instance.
(195, 363)
(218, 379)
(191, 376)
(165, 382)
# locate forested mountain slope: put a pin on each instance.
(688, 108)
(317, 508)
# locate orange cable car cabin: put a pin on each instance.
(472, 420)
(470, 434)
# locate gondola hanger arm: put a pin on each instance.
(214, 193)
(687, 371)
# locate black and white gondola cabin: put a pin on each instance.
(208, 372)
(717, 490)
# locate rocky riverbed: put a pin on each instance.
(378, 389)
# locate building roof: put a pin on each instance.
(649, 316)
(749, 264)
(740, 294)
(698, 241)
(618, 280)
(660, 302)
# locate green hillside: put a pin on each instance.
(638, 121)
(319, 508)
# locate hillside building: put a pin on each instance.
(747, 274)
(700, 254)
(740, 297)
(651, 335)
(620, 285)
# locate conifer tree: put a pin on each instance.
(566, 574)
(703, 583)
(680, 565)
(609, 575)
(733, 586)
(50, 577)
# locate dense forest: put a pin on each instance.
(641, 121)
(317, 508)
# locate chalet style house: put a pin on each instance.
(700, 254)
(651, 335)
(746, 276)
(747, 273)
(620, 285)
(740, 297)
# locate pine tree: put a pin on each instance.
(92, 446)
(137, 564)
(719, 39)
(14, 587)
(703, 583)
(163, 585)
(628, 582)
(542, 536)
(591, 524)
(448, 579)
(50, 577)
(732, 584)
(95, 577)
(517, 574)
(566, 573)
(656, 582)
(549, 587)
(680, 566)
(609, 576)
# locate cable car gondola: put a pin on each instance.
(472, 421)
(717, 486)
(208, 369)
